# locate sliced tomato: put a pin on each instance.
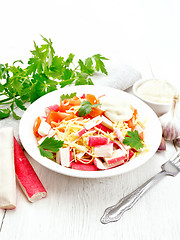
(56, 116)
(130, 123)
(141, 135)
(75, 101)
(95, 112)
(91, 98)
(66, 104)
(70, 116)
(36, 126)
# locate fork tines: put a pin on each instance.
(175, 157)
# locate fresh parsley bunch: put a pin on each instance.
(44, 72)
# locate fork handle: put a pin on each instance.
(114, 213)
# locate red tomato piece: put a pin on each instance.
(36, 126)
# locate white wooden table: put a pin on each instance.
(139, 33)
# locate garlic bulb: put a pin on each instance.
(170, 121)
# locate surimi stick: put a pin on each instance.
(7, 172)
(26, 176)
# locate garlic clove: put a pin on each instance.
(162, 146)
(170, 121)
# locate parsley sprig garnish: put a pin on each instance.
(43, 73)
(50, 146)
(86, 108)
(67, 96)
(133, 140)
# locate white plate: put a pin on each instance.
(152, 132)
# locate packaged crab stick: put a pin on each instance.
(7, 169)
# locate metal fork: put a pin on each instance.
(114, 213)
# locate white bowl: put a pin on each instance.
(158, 107)
(152, 133)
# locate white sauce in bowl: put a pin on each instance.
(156, 91)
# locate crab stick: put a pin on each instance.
(105, 150)
(113, 165)
(103, 165)
(54, 107)
(121, 138)
(44, 128)
(96, 140)
(99, 164)
(119, 134)
(83, 167)
(63, 157)
(117, 156)
(103, 128)
(7, 169)
(93, 122)
(81, 132)
(106, 122)
(26, 176)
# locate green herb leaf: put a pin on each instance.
(20, 61)
(99, 63)
(20, 104)
(67, 96)
(87, 67)
(51, 144)
(46, 153)
(15, 116)
(66, 82)
(4, 113)
(133, 140)
(1, 88)
(83, 81)
(69, 60)
(86, 108)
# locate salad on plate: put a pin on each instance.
(90, 133)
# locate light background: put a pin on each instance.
(128, 31)
(139, 33)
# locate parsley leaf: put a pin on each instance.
(67, 96)
(99, 63)
(20, 104)
(46, 153)
(50, 146)
(86, 108)
(83, 81)
(69, 60)
(133, 140)
(86, 67)
(4, 113)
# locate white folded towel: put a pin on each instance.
(120, 77)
